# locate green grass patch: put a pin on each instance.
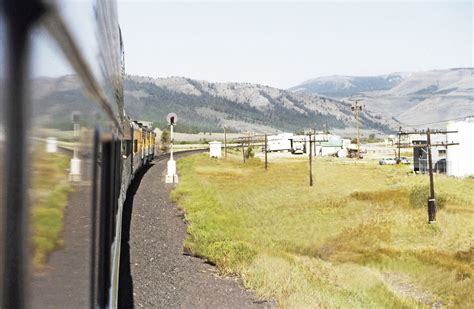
(358, 238)
(49, 192)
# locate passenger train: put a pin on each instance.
(41, 40)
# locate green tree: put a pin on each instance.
(249, 153)
(165, 140)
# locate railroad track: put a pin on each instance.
(163, 156)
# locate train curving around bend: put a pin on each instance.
(61, 81)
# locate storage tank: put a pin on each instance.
(460, 158)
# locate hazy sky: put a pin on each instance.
(282, 44)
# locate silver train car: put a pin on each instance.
(68, 153)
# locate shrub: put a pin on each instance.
(419, 197)
(249, 153)
(230, 256)
(165, 140)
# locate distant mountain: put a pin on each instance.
(343, 86)
(204, 106)
(411, 98)
(240, 106)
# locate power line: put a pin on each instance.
(428, 145)
(434, 122)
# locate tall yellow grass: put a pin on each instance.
(356, 239)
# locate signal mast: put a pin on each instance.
(171, 175)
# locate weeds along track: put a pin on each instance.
(358, 238)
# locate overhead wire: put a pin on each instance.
(434, 122)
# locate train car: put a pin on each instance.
(137, 145)
(61, 79)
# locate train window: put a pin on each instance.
(126, 147)
(71, 89)
(135, 146)
(63, 112)
(2, 141)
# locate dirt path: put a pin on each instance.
(154, 270)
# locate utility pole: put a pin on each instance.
(310, 162)
(356, 108)
(431, 200)
(225, 142)
(243, 150)
(428, 146)
(399, 135)
(266, 158)
(248, 139)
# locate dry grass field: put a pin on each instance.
(358, 238)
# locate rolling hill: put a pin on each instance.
(413, 99)
(206, 107)
(240, 106)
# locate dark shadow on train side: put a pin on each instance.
(125, 290)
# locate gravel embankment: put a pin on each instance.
(153, 264)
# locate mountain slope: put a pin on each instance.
(343, 86)
(204, 107)
(411, 98)
(240, 106)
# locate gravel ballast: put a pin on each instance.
(155, 272)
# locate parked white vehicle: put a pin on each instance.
(388, 161)
(404, 160)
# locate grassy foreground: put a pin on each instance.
(358, 238)
(50, 188)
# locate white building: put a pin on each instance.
(215, 149)
(280, 142)
(331, 145)
(460, 158)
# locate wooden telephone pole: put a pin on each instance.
(399, 135)
(266, 150)
(356, 108)
(312, 143)
(225, 142)
(428, 145)
(310, 161)
(431, 199)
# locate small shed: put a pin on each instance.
(215, 149)
(51, 145)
